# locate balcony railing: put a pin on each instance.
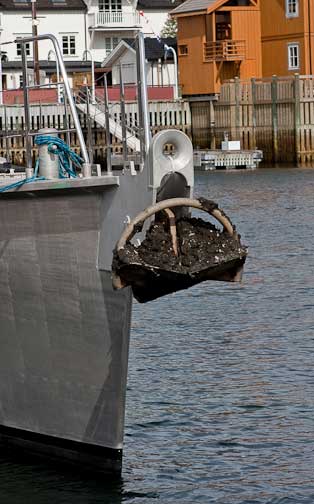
(118, 19)
(225, 50)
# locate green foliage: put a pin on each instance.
(170, 28)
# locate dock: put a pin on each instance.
(228, 160)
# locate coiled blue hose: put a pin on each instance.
(20, 183)
(67, 157)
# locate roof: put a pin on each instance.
(158, 4)
(154, 49)
(14, 5)
(193, 6)
(117, 53)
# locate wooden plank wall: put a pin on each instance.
(201, 113)
(305, 121)
(162, 114)
(273, 114)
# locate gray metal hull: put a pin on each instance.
(64, 333)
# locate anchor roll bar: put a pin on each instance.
(67, 88)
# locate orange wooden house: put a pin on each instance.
(217, 40)
(287, 37)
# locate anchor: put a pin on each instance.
(176, 250)
(177, 253)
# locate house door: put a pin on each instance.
(4, 82)
(229, 70)
(223, 26)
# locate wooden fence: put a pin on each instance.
(175, 114)
(275, 115)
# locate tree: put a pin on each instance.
(170, 28)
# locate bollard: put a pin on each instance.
(48, 162)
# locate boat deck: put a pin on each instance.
(95, 182)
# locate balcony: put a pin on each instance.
(225, 50)
(120, 20)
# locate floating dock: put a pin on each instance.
(227, 159)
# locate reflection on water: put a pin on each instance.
(41, 483)
(220, 405)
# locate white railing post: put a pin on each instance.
(175, 62)
(104, 18)
(52, 53)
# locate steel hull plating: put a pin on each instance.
(64, 333)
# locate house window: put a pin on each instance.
(110, 5)
(19, 49)
(183, 50)
(292, 8)
(110, 44)
(68, 45)
(293, 57)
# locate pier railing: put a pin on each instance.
(162, 115)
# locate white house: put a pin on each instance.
(110, 21)
(62, 18)
(160, 68)
(65, 19)
(94, 25)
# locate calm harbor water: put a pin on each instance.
(220, 404)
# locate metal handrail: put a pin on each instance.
(81, 97)
(67, 88)
(35, 133)
(132, 128)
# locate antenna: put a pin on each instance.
(35, 23)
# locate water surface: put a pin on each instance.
(220, 401)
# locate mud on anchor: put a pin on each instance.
(177, 252)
